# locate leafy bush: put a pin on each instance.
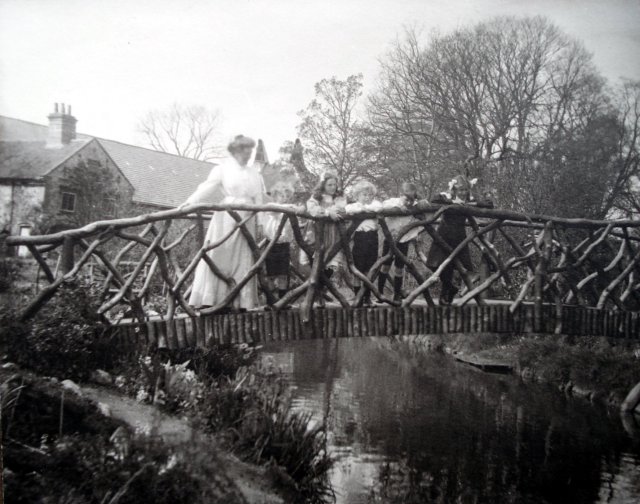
(8, 273)
(174, 387)
(593, 363)
(66, 339)
(214, 362)
(249, 410)
(89, 469)
(175, 379)
(252, 412)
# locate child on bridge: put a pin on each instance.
(365, 239)
(452, 230)
(326, 199)
(278, 261)
(408, 200)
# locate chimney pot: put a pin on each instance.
(62, 127)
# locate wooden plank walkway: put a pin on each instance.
(287, 325)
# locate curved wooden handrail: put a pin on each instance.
(505, 215)
(530, 258)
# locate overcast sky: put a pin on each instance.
(256, 60)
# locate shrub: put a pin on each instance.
(588, 362)
(174, 387)
(66, 339)
(89, 469)
(214, 362)
(252, 412)
(175, 379)
(8, 273)
(247, 406)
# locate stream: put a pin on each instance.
(406, 425)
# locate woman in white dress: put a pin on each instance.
(238, 183)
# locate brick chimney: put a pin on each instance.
(62, 127)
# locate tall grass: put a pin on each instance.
(252, 414)
(249, 410)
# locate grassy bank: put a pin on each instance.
(244, 409)
(596, 368)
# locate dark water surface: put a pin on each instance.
(413, 426)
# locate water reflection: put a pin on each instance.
(406, 426)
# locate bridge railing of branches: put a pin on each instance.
(528, 259)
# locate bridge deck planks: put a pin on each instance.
(332, 322)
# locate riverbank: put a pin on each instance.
(190, 417)
(90, 428)
(596, 368)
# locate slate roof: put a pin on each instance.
(158, 178)
(32, 160)
(17, 130)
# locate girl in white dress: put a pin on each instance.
(327, 200)
(238, 183)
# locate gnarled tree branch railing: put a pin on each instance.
(539, 261)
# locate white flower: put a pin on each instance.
(171, 463)
(142, 395)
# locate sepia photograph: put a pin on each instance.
(319, 252)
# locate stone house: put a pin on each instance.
(53, 178)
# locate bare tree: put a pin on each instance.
(513, 101)
(330, 130)
(624, 191)
(190, 131)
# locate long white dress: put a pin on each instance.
(237, 184)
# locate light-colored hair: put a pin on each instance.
(362, 186)
(282, 186)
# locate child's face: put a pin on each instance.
(365, 196)
(463, 193)
(284, 196)
(331, 186)
(409, 191)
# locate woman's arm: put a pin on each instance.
(206, 189)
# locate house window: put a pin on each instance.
(68, 202)
(110, 207)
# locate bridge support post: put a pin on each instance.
(317, 267)
(67, 258)
(544, 255)
(200, 229)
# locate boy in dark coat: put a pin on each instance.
(452, 230)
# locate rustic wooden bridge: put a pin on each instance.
(539, 274)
